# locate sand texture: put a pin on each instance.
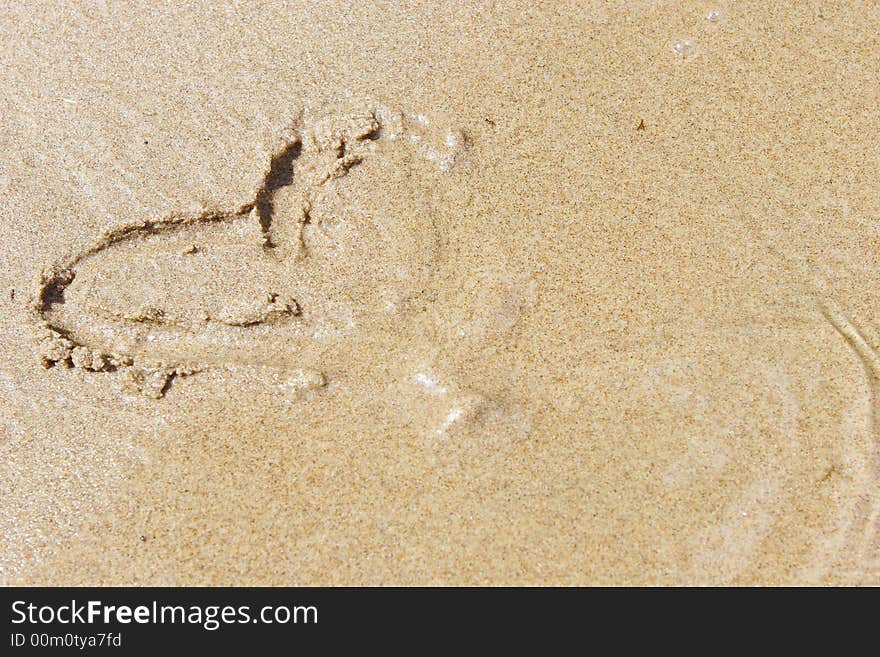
(440, 293)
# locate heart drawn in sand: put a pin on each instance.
(339, 234)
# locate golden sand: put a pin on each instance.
(440, 293)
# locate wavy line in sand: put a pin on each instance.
(862, 534)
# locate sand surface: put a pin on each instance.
(440, 293)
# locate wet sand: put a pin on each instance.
(456, 293)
